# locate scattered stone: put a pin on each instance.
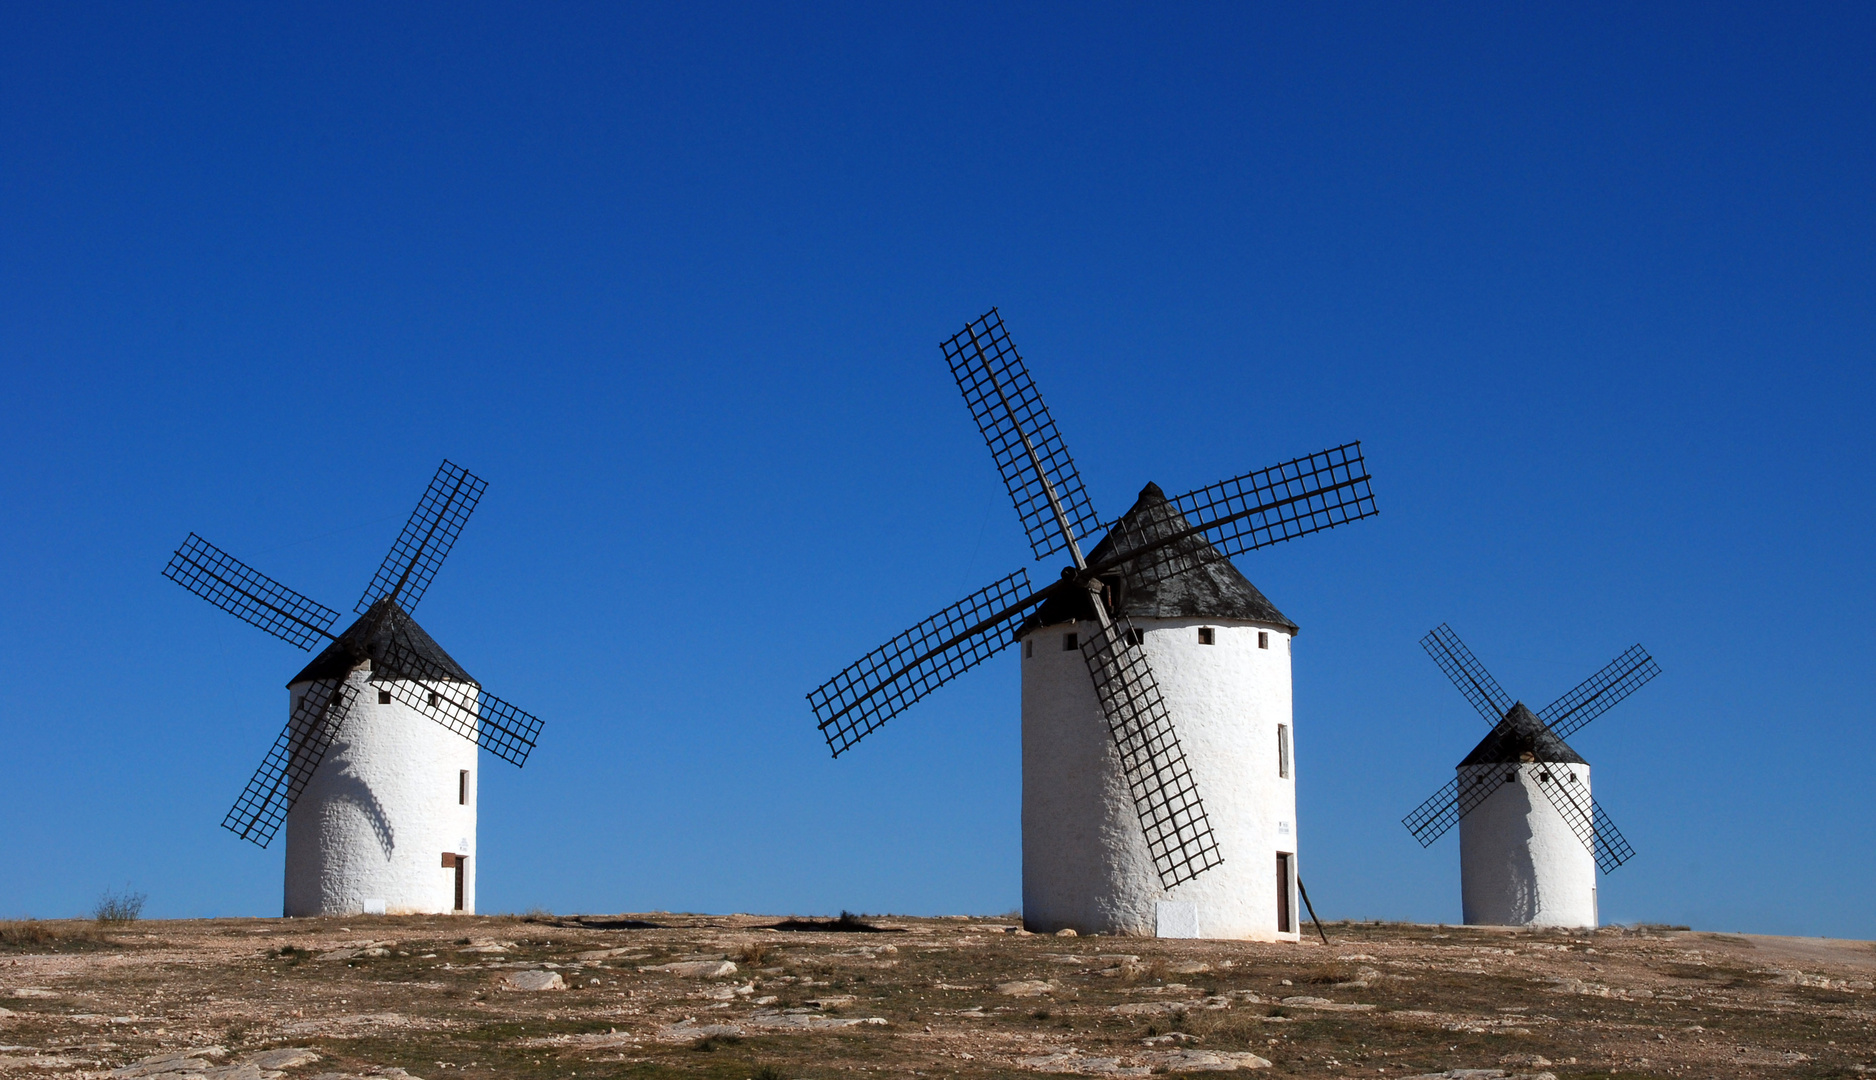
(190, 1061)
(1190, 967)
(34, 992)
(531, 980)
(696, 969)
(830, 1001)
(1066, 931)
(608, 954)
(1149, 1008)
(483, 949)
(287, 1057)
(1025, 988)
(1177, 1061)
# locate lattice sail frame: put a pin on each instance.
(248, 594)
(316, 718)
(1268, 506)
(462, 707)
(1434, 817)
(887, 681)
(1600, 692)
(427, 538)
(1008, 409)
(1178, 834)
(1467, 674)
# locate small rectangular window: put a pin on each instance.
(1071, 642)
(1029, 649)
(1283, 750)
(1263, 639)
(1207, 635)
(433, 700)
(1137, 636)
(384, 697)
(462, 787)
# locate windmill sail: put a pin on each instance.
(1466, 673)
(887, 681)
(1021, 434)
(459, 705)
(248, 594)
(1178, 834)
(1600, 692)
(427, 538)
(256, 816)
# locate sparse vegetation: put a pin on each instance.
(1433, 1001)
(116, 907)
(35, 935)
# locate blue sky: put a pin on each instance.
(1592, 284)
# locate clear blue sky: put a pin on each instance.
(1593, 284)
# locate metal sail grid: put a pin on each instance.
(1600, 692)
(1009, 412)
(464, 708)
(257, 815)
(888, 680)
(1178, 834)
(1467, 673)
(248, 594)
(427, 538)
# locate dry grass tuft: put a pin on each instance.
(754, 953)
(32, 934)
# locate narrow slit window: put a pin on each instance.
(1029, 649)
(1207, 636)
(1283, 751)
(384, 697)
(1263, 639)
(1071, 642)
(462, 787)
(433, 699)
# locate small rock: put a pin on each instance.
(607, 954)
(1025, 988)
(532, 980)
(696, 969)
(286, 1057)
(1066, 931)
(1178, 1061)
(1305, 1000)
(483, 949)
(1190, 967)
(34, 992)
(830, 1001)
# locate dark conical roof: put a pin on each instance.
(368, 638)
(1520, 733)
(1211, 589)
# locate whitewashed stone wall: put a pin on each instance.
(1520, 863)
(1085, 861)
(380, 812)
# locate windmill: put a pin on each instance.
(1531, 837)
(374, 775)
(1115, 834)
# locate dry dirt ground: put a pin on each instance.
(749, 998)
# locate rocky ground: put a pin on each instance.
(748, 998)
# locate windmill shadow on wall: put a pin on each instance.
(1159, 589)
(384, 818)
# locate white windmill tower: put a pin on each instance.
(1531, 836)
(374, 775)
(1152, 671)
